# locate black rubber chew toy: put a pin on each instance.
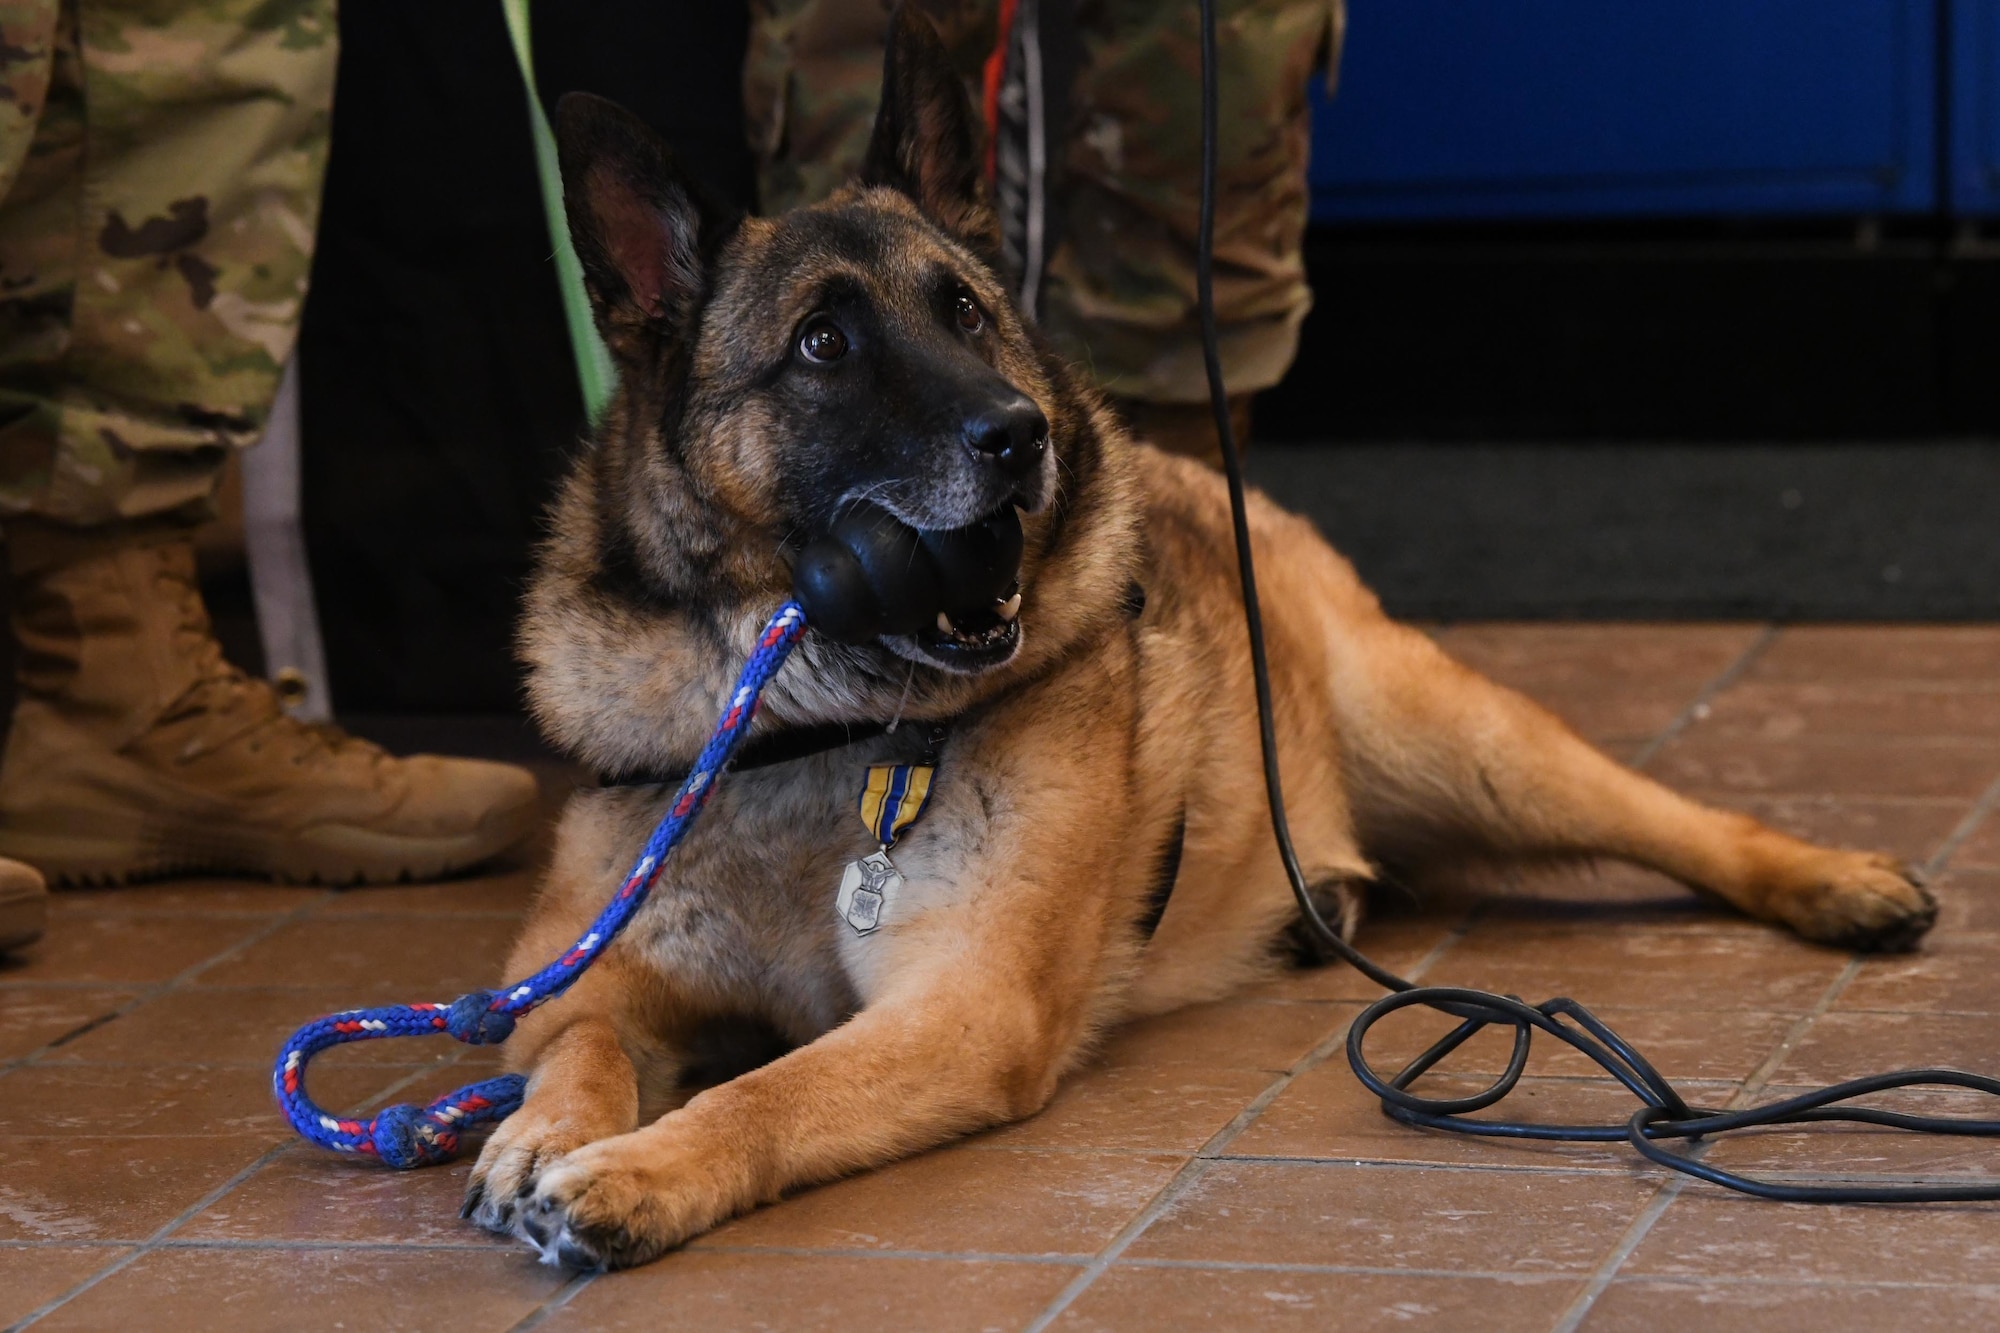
(873, 574)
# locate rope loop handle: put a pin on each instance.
(407, 1136)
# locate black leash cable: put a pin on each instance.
(1663, 1113)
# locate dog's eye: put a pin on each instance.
(970, 317)
(821, 342)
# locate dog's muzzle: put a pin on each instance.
(872, 576)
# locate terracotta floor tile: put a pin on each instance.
(1955, 971)
(1615, 684)
(77, 1188)
(300, 1291)
(1841, 1046)
(1786, 710)
(1726, 965)
(306, 1194)
(1438, 1219)
(1908, 829)
(240, 1026)
(426, 1083)
(505, 890)
(800, 1293)
(1881, 652)
(166, 1099)
(32, 1276)
(1705, 1233)
(1920, 766)
(966, 1201)
(378, 958)
(1968, 902)
(214, 897)
(121, 948)
(1234, 1034)
(1592, 654)
(1327, 1115)
(1641, 1306)
(33, 1016)
(1169, 1108)
(1982, 848)
(1144, 1298)
(1879, 738)
(1867, 1149)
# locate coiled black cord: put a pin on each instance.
(1663, 1113)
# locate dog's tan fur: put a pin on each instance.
(1015, 943)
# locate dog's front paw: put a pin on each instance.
(621, 1202)
(522, 1147)
(1859, 901)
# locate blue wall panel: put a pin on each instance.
(1975, 127)
(1588, 108)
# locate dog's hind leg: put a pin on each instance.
(1447, 762)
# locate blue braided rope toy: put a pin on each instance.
(410, 1136)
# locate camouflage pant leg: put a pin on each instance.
(154, 248)
(27, 47)
(812, 79)
(1121, 284)
(1118, 292)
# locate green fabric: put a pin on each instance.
(160, 169)
(594, 371)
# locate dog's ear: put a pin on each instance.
(644, 230)
(926, 140)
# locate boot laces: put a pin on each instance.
(238, 707)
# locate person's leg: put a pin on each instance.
(155, 246)
(1120, 289)
(813, 77)
(136, 750)
(27, 47)
(1118, 88)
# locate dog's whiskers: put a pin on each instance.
(909, 683)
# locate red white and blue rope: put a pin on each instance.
(407, 1136)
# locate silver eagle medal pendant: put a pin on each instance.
(893, 797)
(867, 890)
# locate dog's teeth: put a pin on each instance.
(1008, 609)
(944, 624)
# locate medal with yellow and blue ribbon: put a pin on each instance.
(892, 799)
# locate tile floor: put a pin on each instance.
(1216, 1169)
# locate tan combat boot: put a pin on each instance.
(137, 751)
(24, 905)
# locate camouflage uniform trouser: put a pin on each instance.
(1117, 285)
(160, 171)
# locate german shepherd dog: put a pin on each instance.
(772, 373)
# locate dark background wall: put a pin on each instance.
(1620, 311)
(437, 387)
(1694, 308)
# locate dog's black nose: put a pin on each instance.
(1013, 433)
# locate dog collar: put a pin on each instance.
(779, 747)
